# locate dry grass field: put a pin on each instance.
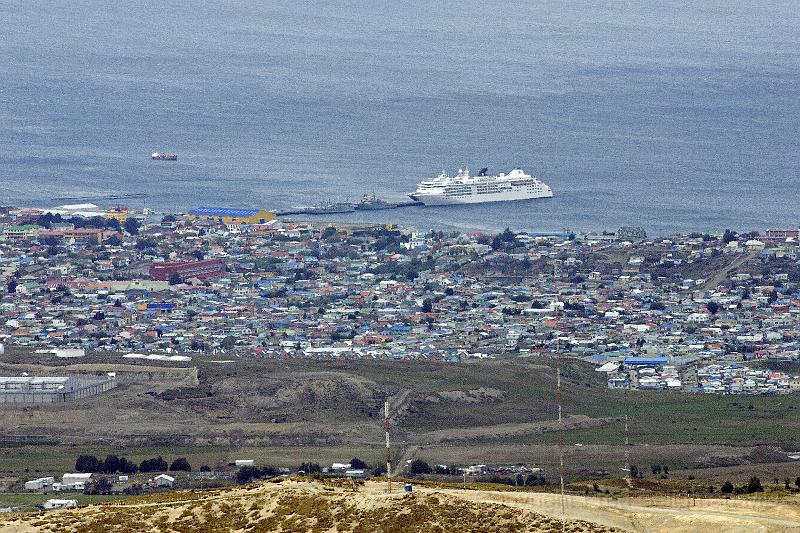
(318, 507)
(288, 412)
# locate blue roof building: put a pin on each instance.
(645, 361)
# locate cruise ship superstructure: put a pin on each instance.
(465, 189)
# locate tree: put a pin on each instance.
(180, 464)
(12, 286)
(113, 241)
(87, 463)
(101, 486)
(773, 296)
(745, 294)
(418, 466)
(754, 485)
(728, 236)
(132, 226)
(205, 468)
(507, 235)
(727, 488)
(357, 463)
(111, 464)
(127, 467)
(175, 279)
(248, 473)
(427, 306)
(153, 465)
(712, 307)
(328, 233)
(145, 244)
(310, 468)
(634, 471)
(133, 490)
(228, 342)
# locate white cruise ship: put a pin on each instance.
(465, 189)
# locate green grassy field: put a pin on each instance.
(526, 393)
(655, 417)
(36, 460)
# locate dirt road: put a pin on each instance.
(662, 514)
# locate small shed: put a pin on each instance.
(163, 480)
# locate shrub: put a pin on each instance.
(419, 466)
(355, 462)
(754, 485)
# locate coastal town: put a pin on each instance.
(701, 312)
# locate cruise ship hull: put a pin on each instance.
(440, 199)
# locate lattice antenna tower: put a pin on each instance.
(388, 447)
(627, 450)
(560, 425)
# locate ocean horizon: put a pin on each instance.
(676, 117)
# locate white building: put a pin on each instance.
(163, 480)
(73, 481)
(59, 504)
(39, 484)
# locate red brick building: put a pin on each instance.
(208, 268)
(777, 236)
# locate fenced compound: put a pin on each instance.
(49, 390)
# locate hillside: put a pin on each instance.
(317, 507)
(285, 413)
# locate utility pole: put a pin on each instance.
(145, 212)
(388, 447)
(627, 468)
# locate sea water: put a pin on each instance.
(674, 116)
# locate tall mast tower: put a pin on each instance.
(388, 447)
(560, 426)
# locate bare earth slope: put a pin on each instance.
(317, 507)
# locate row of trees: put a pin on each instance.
(246, 474)
(131, 225)
(753, 485)
(113, 465)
